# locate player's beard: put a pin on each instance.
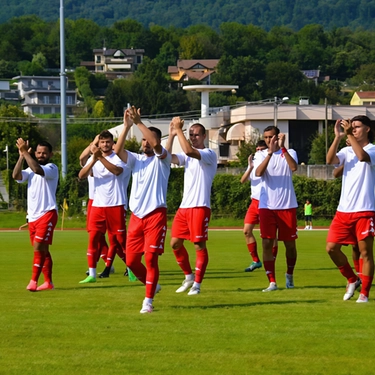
(43, 161)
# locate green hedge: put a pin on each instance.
(230, 198)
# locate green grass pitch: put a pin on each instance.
(230, 328)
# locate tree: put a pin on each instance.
(318, 146)
(16, 124)
(98, 110)
(244, 71)
(282, 79)
(201, 42)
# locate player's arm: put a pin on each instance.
(17, 171)
(361, 154)
(169, 145)
(246, 175)
(337, 172)
(291, 162)
(184, 143)
(87, 151)
(86, 170)
(119, 146)
(272, 147)
(331, 157)
(116, 170)
(148, 135)
(23, 149)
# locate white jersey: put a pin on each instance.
(41, 191)
(277, 191)
(149, 182)
(255, 181)
(110, 190)
(90, 181)
(358, 181)
(198, 178)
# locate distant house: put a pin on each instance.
(200, 70)
(115, 63)
(41, 95)
(363, 98)
(6, 93)
(314, 75)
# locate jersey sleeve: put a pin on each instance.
(208, 156)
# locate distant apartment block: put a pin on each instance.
(41, 95)
(115, 63)
(200, 70)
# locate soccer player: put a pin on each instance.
(108, 210)
(308, 214)
(193, 216)
(356, 255)
(277, 203)
(42, 177)
(354, 220)
(86, 153)
(252, 214)
(148, 203)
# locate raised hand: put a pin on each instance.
(135, 114)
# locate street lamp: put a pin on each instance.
(277, 102)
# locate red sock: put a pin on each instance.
(366, 284)
(120, 249)
(182, 258)
(47, 268)
(135, 264)
(348, 273)
(93, 248)
(252, 247)
(152, 276)
(38, 262)
(360, 265)
(275, 249)
(103, 248)
(269, 266)
(290, 262)
(201, 265)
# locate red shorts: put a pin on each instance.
(111, 219)
(252, 214)
(350, 227)
(191, 224)
(280, 224)
(147, 234)
(42, 229)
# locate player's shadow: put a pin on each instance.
(249, 304)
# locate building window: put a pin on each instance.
(98, 59)
(46, 99)
(69, 100)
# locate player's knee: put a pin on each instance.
(176, 243)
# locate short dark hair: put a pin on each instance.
(45, 144)
(261, 143)
(156, 131)
(367, 122)
(105, 134)
(270, 128)
(201, 127)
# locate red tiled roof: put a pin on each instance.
(366, 94)
(188, 64)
